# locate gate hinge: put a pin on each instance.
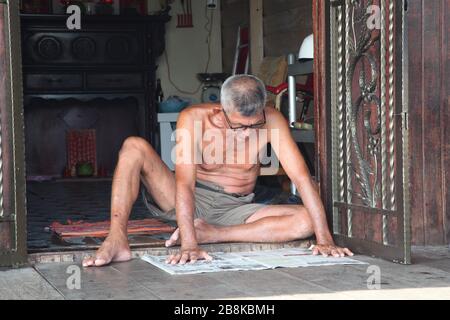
(404, 119)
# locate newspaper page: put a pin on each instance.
(294, 258)
(221, 262)
(254, 260)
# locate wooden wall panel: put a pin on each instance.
(415, 120)
(256, 35)
(428, 88)
(445, 118)
(432, 130)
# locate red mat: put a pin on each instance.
(101, 229)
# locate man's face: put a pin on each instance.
(242, 125)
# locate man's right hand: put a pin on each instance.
(190, 255)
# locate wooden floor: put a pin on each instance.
(427, 278)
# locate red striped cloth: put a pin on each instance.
(101, 229)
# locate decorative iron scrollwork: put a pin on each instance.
(366, 106)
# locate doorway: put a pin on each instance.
(329, 18)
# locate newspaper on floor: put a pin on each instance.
(254, 260)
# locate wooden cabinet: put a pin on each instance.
(53, 81)
(100, 47)
(115, 81)
(86, 75)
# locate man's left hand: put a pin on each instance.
(331, 249)
(190, 255)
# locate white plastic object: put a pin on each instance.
(307, 48)
(211, 4)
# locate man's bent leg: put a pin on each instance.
(137, 160)
(273, 223)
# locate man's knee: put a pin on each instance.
(304, 227)
(135, 147)
(135, 143)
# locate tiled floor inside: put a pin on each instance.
(89, 200)
(61, 201)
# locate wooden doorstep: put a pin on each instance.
(77, 256)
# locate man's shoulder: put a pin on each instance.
(197, 108)
(193, 113)
(274, 118)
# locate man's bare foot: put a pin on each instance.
(205, 233)
(114, 248)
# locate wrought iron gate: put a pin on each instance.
(13, 249)
(368, 120)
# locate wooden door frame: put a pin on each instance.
(12, 145)
(321, 15)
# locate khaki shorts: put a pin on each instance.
(213, 205)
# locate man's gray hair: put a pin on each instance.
(243, 93)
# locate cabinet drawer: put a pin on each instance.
(53, 81)
(115, 81)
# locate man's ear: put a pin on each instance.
(270, 103)
(217, 108)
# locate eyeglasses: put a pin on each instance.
(244, 127)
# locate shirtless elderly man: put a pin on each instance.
(213, 202)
